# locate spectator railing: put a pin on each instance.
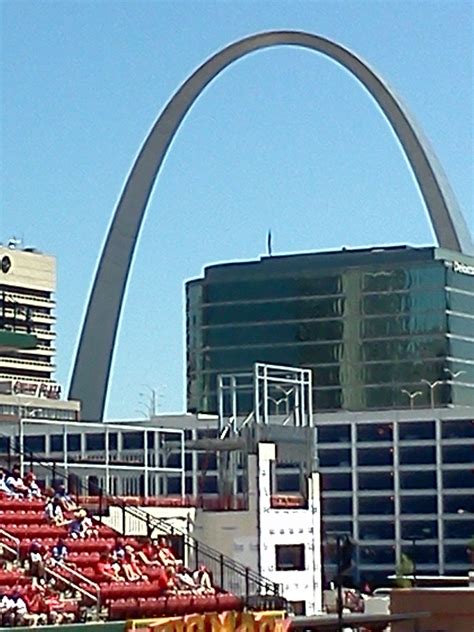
(228, 574)
(14, 550)
(95, 598)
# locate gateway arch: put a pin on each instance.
(96, 345)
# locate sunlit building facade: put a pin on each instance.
(374, 325)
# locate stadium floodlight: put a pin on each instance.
(412, 395)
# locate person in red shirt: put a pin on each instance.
(130, 567)
(165, 554)
(147, 555)
(107, 571)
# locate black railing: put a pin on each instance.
(228, 574)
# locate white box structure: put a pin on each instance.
(290, 527)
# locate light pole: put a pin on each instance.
(153, 404)
(413, 395)
(432, 386)
(453, 374)
(285, 399)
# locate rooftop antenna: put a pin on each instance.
(13, 242)
(269, 242)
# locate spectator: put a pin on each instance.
(147, 555)
(66, 501)
(106, 570)
(59, 551)
(130, 567)
(19, 614)
(36, 561)
(203, 579)
(185, 581)
(15, 483)
(4, 488)
(54, 513)
(171, 581)
(165, 555)
(81, 526)
(118, 550)
(54, 606)
(6, 605)
(33, 490)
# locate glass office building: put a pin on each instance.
(372, 324)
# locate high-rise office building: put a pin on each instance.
(27, 320)
(381, 328)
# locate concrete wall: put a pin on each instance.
(234, 533)
(451, 609)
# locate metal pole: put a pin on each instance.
(265, 395)
(221, 564)
(22, 445)
(145, 455)
(310, 398)
(233, 392)
(107, 485)
(303, 399)
(65, 462)
(413, 540)
(220, 393)
(256, 393)
(183, 464)
(339, 584)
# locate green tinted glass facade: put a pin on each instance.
(368, 323)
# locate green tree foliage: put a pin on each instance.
(403, 568)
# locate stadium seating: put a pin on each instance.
(25, 521)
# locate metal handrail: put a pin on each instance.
(16, 541)
(246, 573)
(232, 564)
(61, 578)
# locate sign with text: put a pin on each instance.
(223, 622)
(44, 390)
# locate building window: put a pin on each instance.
(56, 443)
(34, 443)
(337, 482)
(335, 458)
(422, 479)
(458, 454)
(373, 530)
(373, 505)
(418, 504)
(334, 434)
(420, 455)
(416, 431)
(458, 479)
(375, 456)
(95, 442)
(374, 432)
(460, 504)
(112, 441)
(74, 443)
(458, 529)
(370, 481)
(458, 429)
(377, 555)
(421, 530)
(337, 506)
(289, 557)
(420, 553)
(132, 440)
(298, 608)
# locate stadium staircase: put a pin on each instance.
(23, 521)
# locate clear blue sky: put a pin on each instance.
(283, 139)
